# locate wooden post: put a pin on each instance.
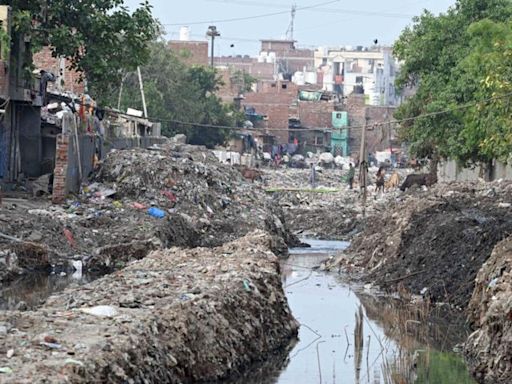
(363, 167)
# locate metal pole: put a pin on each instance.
(213, 42)
(142, 93)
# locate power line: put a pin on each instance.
(359, 127)
(249, 17)
(326, 10)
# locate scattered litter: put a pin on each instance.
(100, 311)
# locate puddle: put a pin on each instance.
(343, 339)
(32, 290)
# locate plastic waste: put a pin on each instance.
(74, 362)
(5, 370)
(156, 212)
(100, 311)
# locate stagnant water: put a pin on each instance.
(347, 335)
(351, 336)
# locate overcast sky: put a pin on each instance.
(317, 22)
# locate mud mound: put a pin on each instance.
(489, 349)
(176, 316)
(219, 203)
(435, 244)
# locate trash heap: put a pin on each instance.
(186, 181)
(489, 349)
(141, 200)
(433, 242)
(176, 316)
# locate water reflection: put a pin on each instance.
(348, 336)
(32, 290)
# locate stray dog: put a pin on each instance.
(392, 182)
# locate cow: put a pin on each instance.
(392, 182)
(419, 179)
(251, 174)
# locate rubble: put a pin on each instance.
(489, 349)
(435, 241)
(194, 315)
(173, 195)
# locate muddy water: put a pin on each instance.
(32, 290)
(345, 338)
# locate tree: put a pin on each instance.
(100, 37)
(439, 55)
(182, 97)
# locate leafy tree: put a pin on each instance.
(101, 37)
(440, 56)
(182, 97)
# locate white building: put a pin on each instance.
(371, 71)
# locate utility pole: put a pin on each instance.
(142, 93)
(363, 166)
(213, 33)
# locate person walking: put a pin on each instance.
(312, 176)
(350, 175)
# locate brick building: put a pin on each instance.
(68, 80)
(190, 52)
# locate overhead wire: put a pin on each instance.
(249, 17)
(360, 127)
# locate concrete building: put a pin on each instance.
(368, 71)
(188, 51)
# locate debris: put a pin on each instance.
(6, 370)
(195, 320)
(489, 348)
(156, 212)
(100, 311)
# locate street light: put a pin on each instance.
(212, 32)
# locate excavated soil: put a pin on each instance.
(177, 316)
(489, 349)
(435, 242)
(204, 203)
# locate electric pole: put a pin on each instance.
(363, 166)
(213, 33)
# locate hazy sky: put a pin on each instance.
(318, 23)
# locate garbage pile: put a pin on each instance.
(141, 200)
(489, 349)
(176, 316)
(433, 242)
(330, 211)
(216, 202)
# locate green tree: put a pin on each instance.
(439, 59)
(182, 97)
(100, 37)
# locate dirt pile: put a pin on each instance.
(331, 211)
(217, 202)
(489, 349)
(176, 316)
(141, 200)
(434, 242)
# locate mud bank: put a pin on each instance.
(489, 349)
(434, 242)
(176, 316)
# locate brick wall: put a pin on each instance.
(276, 105)
(61, 169)
(316, 114)
(68, 79)
(377, 137)
(4, 80)
(190, 52)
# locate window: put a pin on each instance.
(273, 85)
(359, 79)
(284, 86)
(324, 61)
(338, 115)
